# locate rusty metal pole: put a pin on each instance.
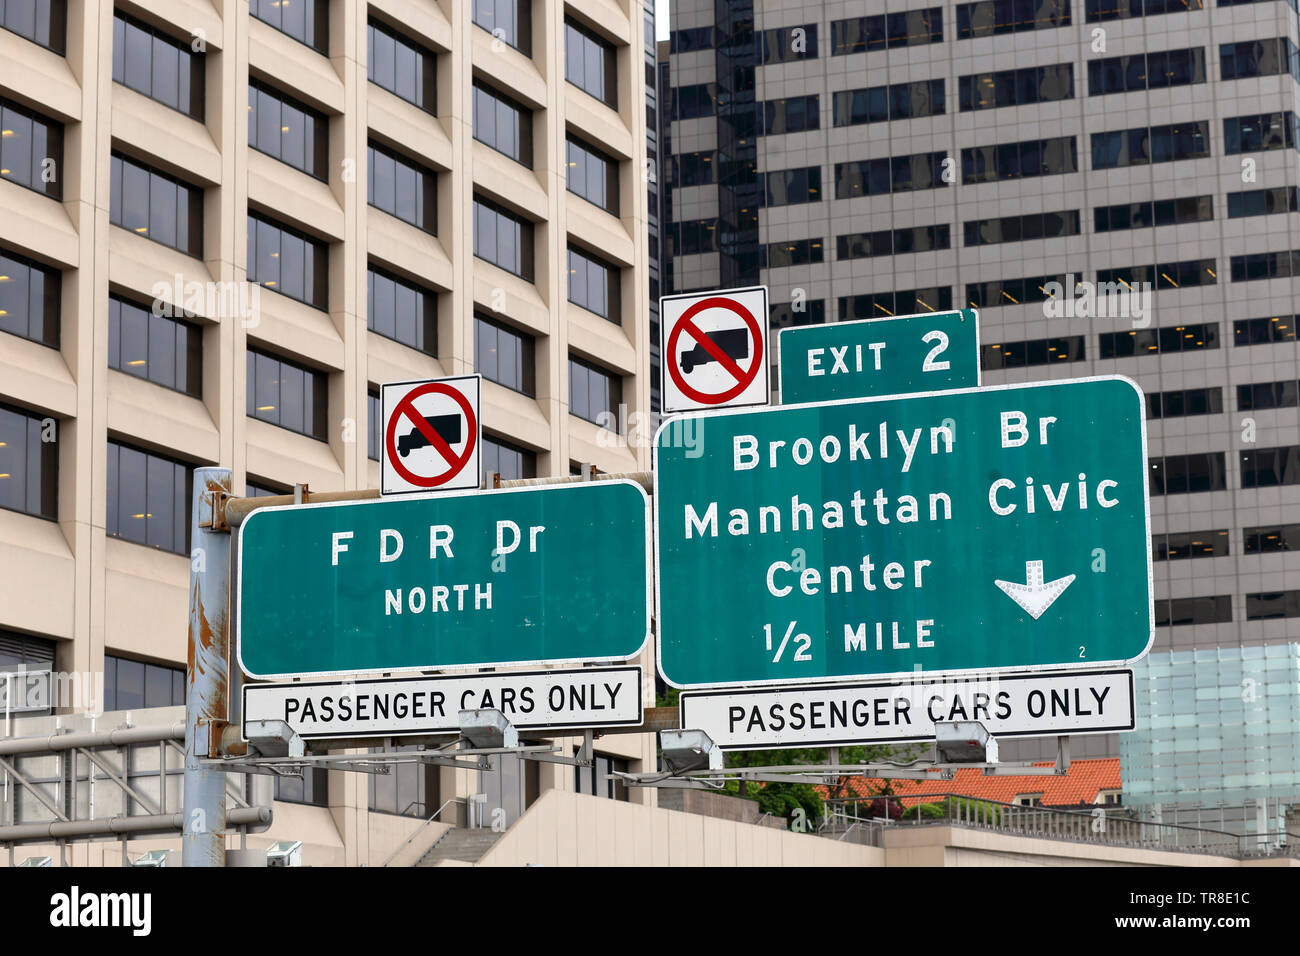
(203, 823)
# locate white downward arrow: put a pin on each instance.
(1035, 596)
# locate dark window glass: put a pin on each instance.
(1035, 84)
(999, 292)
(808, 312)
(1248, 134)
(1194, 610)
(594, 285)
(509, 461)
(136, 684)
(503, 124)
(503, 239)
(1189, 544)
(1259, 58)
(1182, 474)
(1164, 275)
(1263, 202)
(1272, 604)
(30, 298)
(887, 242)
(307, 21)
(894, 174)
(1099, 10)
(689, 41)
(1270, 540)
(1161, 212)
(800, 252)
(1270, 467)
(1266, 395)
(25, 653)
(29, 463)
(1174, 338)
(592, 175)
(410, 789)
(1037, 157)
(597, 781)
(785, 44)
(401, 66)
(693, 238)
(508, 20)
(594, 394)
(1143, 71)
(311, 788)
(159, 348)
(288, 130)
(402, 187)
(156, 206)
(31, 150)
(694, 169)
(286, 261)
(878, 104)
(887, 31)
(374, 425)
(877, 305)
(1069, 348)
(989, 17)
(1158, 144)
(42, 21)
(401, 310)
(1027, 228)
(692, 102)
(796, 114)
(287, 394)
(1277, 328)
(1265, 265)
(148, 499)
(1184, 402)
(154, 64)
(590, 63)
(504, 355)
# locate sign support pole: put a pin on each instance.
(203, 821)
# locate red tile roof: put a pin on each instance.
(1080, 784)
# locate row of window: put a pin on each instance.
(1214, 544)
(1206, 471)
(1172, 612)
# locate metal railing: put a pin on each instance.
(417, 831)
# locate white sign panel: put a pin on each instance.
(554, 700)
(432, 435)
(1017, 705)
(715, 349)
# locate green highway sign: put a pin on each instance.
(889, 356)
(555, 574)
(979, 529)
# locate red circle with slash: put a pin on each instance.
(406, 408)
(743, 378)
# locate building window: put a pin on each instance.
(312, 788)
(148, 499)
(891, 174)
(156, 206)
(800, 252)
(1184, 402)
(1099, 10)
(1165, 275)
(795, 114)
(1146, 71)
(1271, 540)
(157, 348)
(1249, 134)
(1174, 338)
(1178, 612)
(287, 261)
(154, 64)
(886, 31)
(1277, 328)
(254, 489)
(1259, 58)
(375, 425)
(1184, 474)
(504, 355)
(1035, 84)
(693, 102)
(1265, 265)
(1189, 544)
(31, 150)
(1263, 202)
(44, 22)
(1035, 157)
(1157, 144)
(401, 66)
(1028, 800)
(30, 296)
(503, 124)
(592, 175)
(1270, 467)
(1266, 395)
(596, 779)
(876, 305)
(693, 238)
(590, 64)
(503, 239)
(785, 44)
(594, 394)
(696, 169)
(287, 394)
(1068, 348)
(508, 20)
(998, 292)
(307, 21)
(25, 654)
(989, 17)
(136, 685)
(878, 104)
(1272, 604)
(288, 131)
(1028, 228)
(594, 285)
(401, 311)
(29, 463)
(692, 40)
(783, 315)
(402, 187)
(509, 461)
(1161, 212)
(408, 790)
(892, 242)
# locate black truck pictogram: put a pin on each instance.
(448, 426)
(733, 342)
